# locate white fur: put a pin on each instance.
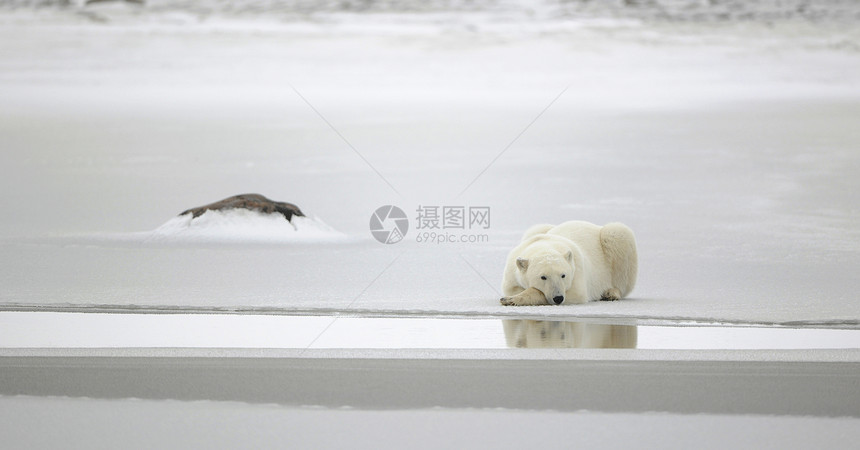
(581, 262)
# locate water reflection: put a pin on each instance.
(555, 334)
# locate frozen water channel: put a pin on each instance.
(86, 330)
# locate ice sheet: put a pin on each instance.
(730, 150)
(30, 422)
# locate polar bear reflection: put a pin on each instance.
(554, 334)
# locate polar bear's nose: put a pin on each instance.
(558, 299)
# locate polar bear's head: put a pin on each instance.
(551, 274)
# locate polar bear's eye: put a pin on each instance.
(562, 275)
(543, 277)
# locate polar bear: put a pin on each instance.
(575, 262)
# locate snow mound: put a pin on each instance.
(242, 225)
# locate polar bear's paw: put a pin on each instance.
(611, 294)
(530, 296)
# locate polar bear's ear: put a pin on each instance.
(569, 256)
(523, 264)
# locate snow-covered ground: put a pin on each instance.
(729, 148)
(241, 226)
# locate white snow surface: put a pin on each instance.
(242, 225)
(729, 148)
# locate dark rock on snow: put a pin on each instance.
(253, 202)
